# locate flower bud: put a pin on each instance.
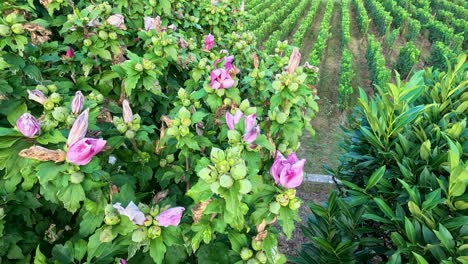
(223, 166)
(183, 130)
(52, 88)
(103, 35)
(217, 155)
(154, 232)
(60, 114)
(274, 207)
(170, 158)
(245, 186)
(79, 128)
(112, 219)
(246, 253)
(239, 171)
(226, 181)
(205, 174)
(282, 199)
(291, 193)
(294, 204)
(148, 65)
(37, 95)
(162, 163)
(176, 122)
(186, 122)
(77, 177)
(154, 211)
(70, 53)
(138, 235)
(17, 28)
(257, 244)
(87, 42)
(77, 103)
(55, 98)
(139, 67)
(293, 87)
(130, 134)
(28, 125)
(173, 131)
(261, 257)
(184, 113)
(113, 35)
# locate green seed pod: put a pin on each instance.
(173, 131)
(227, 101)
(175, 122)
(205, 174)
(154, 232)
(163, 163)
(294, 204)
(223, 166)
(113, 35)
(148, 65)
(281, 118)
(291, 193)
(252, 261)
(257, 245)
(183, 130)
(282, 199)
(112, 219)
(217, 155)
(77, 177)
(103, 35)
(11, 18)
(52, 88)
(17, 28)
(49, 105)
(184, 113)
(55, 98)
(186, 102)
(139, 67)
(245, 186)
(246, 253)
(261, 257)
(274, 207)
(5, 31)
(170, 158)
(60, 113)
(186, 121)
(226, 181)
(87, 42)
(239, 171)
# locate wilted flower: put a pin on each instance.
(77, 102)
(94, 22)
(79, 128)
(132, 212)
(220, 79)
(150, 23)
(209, 42)
(170, 217)
(117, 21)
(28, 125)
(288, 172)
(70, 53)
(127, 112)
(251, 131)
(83, 150)
(37, 95)
(294, 60)
(172, 27)
(232, 120)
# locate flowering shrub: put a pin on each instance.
(145, 131)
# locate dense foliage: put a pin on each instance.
(407, 59)
(345, 86)
(380, 16)
(152, 131)
(306, 23)
(323, 35)
(379, 74)
(361, 16)
(403, 195)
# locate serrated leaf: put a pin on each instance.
(71, 196)
(157, 250)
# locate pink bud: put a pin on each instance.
(294, 60)
(209, 42)
(131, 211)
(232, 120)
(70, 53)
(28, 125)
(289, 172)
(220, 79)
(251, 131)
(79, 128)
(127, 112)
(123, 261)
(170, 217)
(77, 103)
(83, 150)
(37, 95)
(117, 21)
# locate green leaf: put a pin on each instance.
(238, 241)
(71, 197)
(166, 7)
(64, 254)
(15, 252)
(385, 208)
(48, 171)
(198, 116)
(420, 259)
(445, 237)
(157, 250)
(375, 178)
(15, 113)
(53, 137)
(39, 258)
(286, 218)
(200, 191)
(263, 141)
(410, 232)
(89, 223)
(80, 248)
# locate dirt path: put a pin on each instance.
(323, 148)
(358, 47)
(311, 35)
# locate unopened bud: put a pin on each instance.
(246, 253)
(154, 232)
(127, 112)
(226, 181)
(79, 128)
(37, 95)
(282, 199)
(77, 103)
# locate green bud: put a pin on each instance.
(138, 67)
(130, 134)
(217, 155)
(154, 211)
(261, 257)
(112, 219)
(186, 102)
(282, 199)
(144, 208)
(153, 3)
(246, 253)
(282, 147)
(154, 232)
(103, 35)
(5, 31)
(227, 101)
(291, 193)
(49, 105)
(17, 28)
(55, 98)
(257, 245)
(99, 98)
(281, 118)
(176, 122)
(138, 235)
(234, 136)
(293, 87)
(121, 127)
(245, 186)
(184, 113)
(77, 177)
(148, 65)
(223, 166)
(87, 42)
(113, 35)
(42, 88)
(239, 171)
(60, 114)
(226, 181)
(11, 18)
(183, 130)
(182, 93)
(52, 88)
(274, 207)
(252, 261)
(173, 131)
(148, 221)
(244, 105)
(294, 204)
(170, 158)
(215, 187)
(277, 85)
(186, 121)
(163, 163)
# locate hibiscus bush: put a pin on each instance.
(146, 131)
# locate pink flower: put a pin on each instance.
(232, 120)
(28, 125)
(127, 112)
(294, 60)
(79, 128)
(131, 211)
(123, 261)
(117, 21)
(70, 53)
(289, 172)
(170, 217)
(82, 151)
(37, 95)
(94, 22)
(250, 130)
(150, 23)
(77, 103)
(209, 42)
(228, 60)
(220, 79)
